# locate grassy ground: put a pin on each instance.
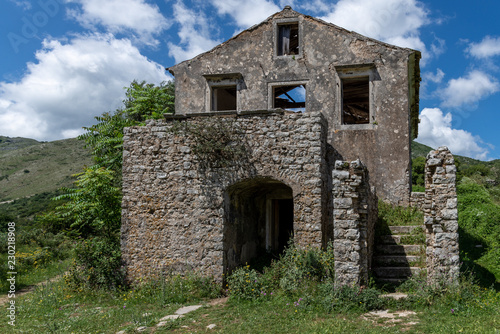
(54, 309)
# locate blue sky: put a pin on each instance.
(65, 61)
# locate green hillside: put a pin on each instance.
(7, 143)
(29, 167)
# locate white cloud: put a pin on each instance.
(435, 130)
(246, 13)
(315, 6)
(393, 21)
(488, 47)
(468, 90)
(25, 4)
(194, 33)
(135, 16)
(434, 77)
(70, 84)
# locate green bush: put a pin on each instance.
(97, 265)
(244, 283)
(296, 271)
(478, 219)
(418, 172)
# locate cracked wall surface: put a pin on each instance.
(327, 51)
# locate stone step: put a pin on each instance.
(389, 239)
(396, 239)
(396, 272)
(397, 249)
(404, 229)
(391, 281)
(395, 260)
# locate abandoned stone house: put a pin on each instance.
(325, 116)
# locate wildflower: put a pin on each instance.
(452, 311)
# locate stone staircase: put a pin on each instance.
(399, 253)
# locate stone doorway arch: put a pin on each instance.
(258, 220)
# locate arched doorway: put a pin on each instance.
(258, 220)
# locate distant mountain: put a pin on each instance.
(421, 150)
(7, 143)
(29, 167)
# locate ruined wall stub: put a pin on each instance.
(355, 213)
(174, 211)
(441, 216)
(327, 54)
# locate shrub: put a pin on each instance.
(244, 283)
(293, 273)
(97, 265)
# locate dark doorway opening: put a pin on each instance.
(258, 221)
(281, 225)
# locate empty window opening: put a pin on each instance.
(288, 39)
(223, 98)
(356, 100)
(290, 97)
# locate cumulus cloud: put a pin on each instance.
(393, 21)
(70, 84)
(246, 13)
(435, 130)
(194, 33)
(434, 77)
(488, 47)
(468, 90)
(134, 16)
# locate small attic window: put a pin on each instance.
(291, 97)
(356, 100)
(223, 98)
(288, 39)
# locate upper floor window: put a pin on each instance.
(288, 95)
(222, 91)
(288, 39)
(356, 92)
(356, 100)
(223, 98)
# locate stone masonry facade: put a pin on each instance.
(441, 216)
(310, 173)
(355, 215)
(178, 213)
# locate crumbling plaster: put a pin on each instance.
(383, 145)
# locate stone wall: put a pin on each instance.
(417, 200)
(440, 216)
(355, 213)
(176, 210)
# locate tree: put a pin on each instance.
(93, 210)
(145, 101)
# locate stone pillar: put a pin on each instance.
(353, 214)
(441, 214)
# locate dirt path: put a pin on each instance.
(5, 298)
